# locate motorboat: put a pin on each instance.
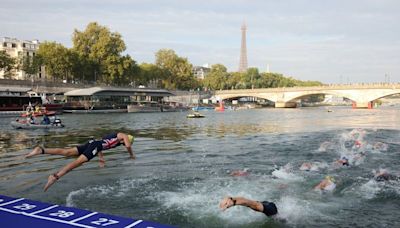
(202, 108)
(22, 124)
(195, 115)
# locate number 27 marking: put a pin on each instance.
(104, 222)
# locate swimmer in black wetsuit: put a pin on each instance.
(383, 175)
(343, 161)
(85, 152)
(268, 208)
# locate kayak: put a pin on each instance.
(24, 125)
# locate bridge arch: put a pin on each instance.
(233, 96)
(294, 97)
(384, 95)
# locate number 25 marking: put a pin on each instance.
(104, 222)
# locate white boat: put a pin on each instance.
(25, 125)
(195, 115)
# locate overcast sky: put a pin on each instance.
(331, 41)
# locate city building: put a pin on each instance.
(200, 72)
(18, 49)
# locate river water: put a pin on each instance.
(183, 166)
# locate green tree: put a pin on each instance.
(308, 83)
(31, 65)
(7, 64)
(251, 78)
(126, 70)
(78, 66)
(56, 58)
(274, 80)
(102, 50)
(150, 72)
(235, 80)
(217, 78)
(177, 70)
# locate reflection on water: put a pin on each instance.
(184, 166)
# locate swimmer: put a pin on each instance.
(380, 146)
(312, 166)
(326, 184)
(357, 144)
(344, 161)
(357, 133)
(306, 166)
(268, 208)
(325, 146)
(358, 157)
(384, 175)
(85, 153)
(239, 173)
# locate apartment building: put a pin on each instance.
(18, 49)
(200, 72)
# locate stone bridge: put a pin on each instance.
(362, 95)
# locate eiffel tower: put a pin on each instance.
(243, 51)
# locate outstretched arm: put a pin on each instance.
(321, 185)
(130, 151)
(228, 202)
(127, 144)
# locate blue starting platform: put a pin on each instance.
(23, 213)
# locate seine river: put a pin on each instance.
(183, 167)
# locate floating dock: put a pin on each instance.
(21, 212)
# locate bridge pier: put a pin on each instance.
(368, 105)
(280, 104)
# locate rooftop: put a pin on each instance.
(119, 92)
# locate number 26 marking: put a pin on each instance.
(104, 222)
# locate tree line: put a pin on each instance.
(97, 57)
(219, 78)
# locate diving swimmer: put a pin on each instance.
(85, 153)
(268, 208)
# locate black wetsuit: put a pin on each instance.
(269, 208)
(387, 177)
(93, 147)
